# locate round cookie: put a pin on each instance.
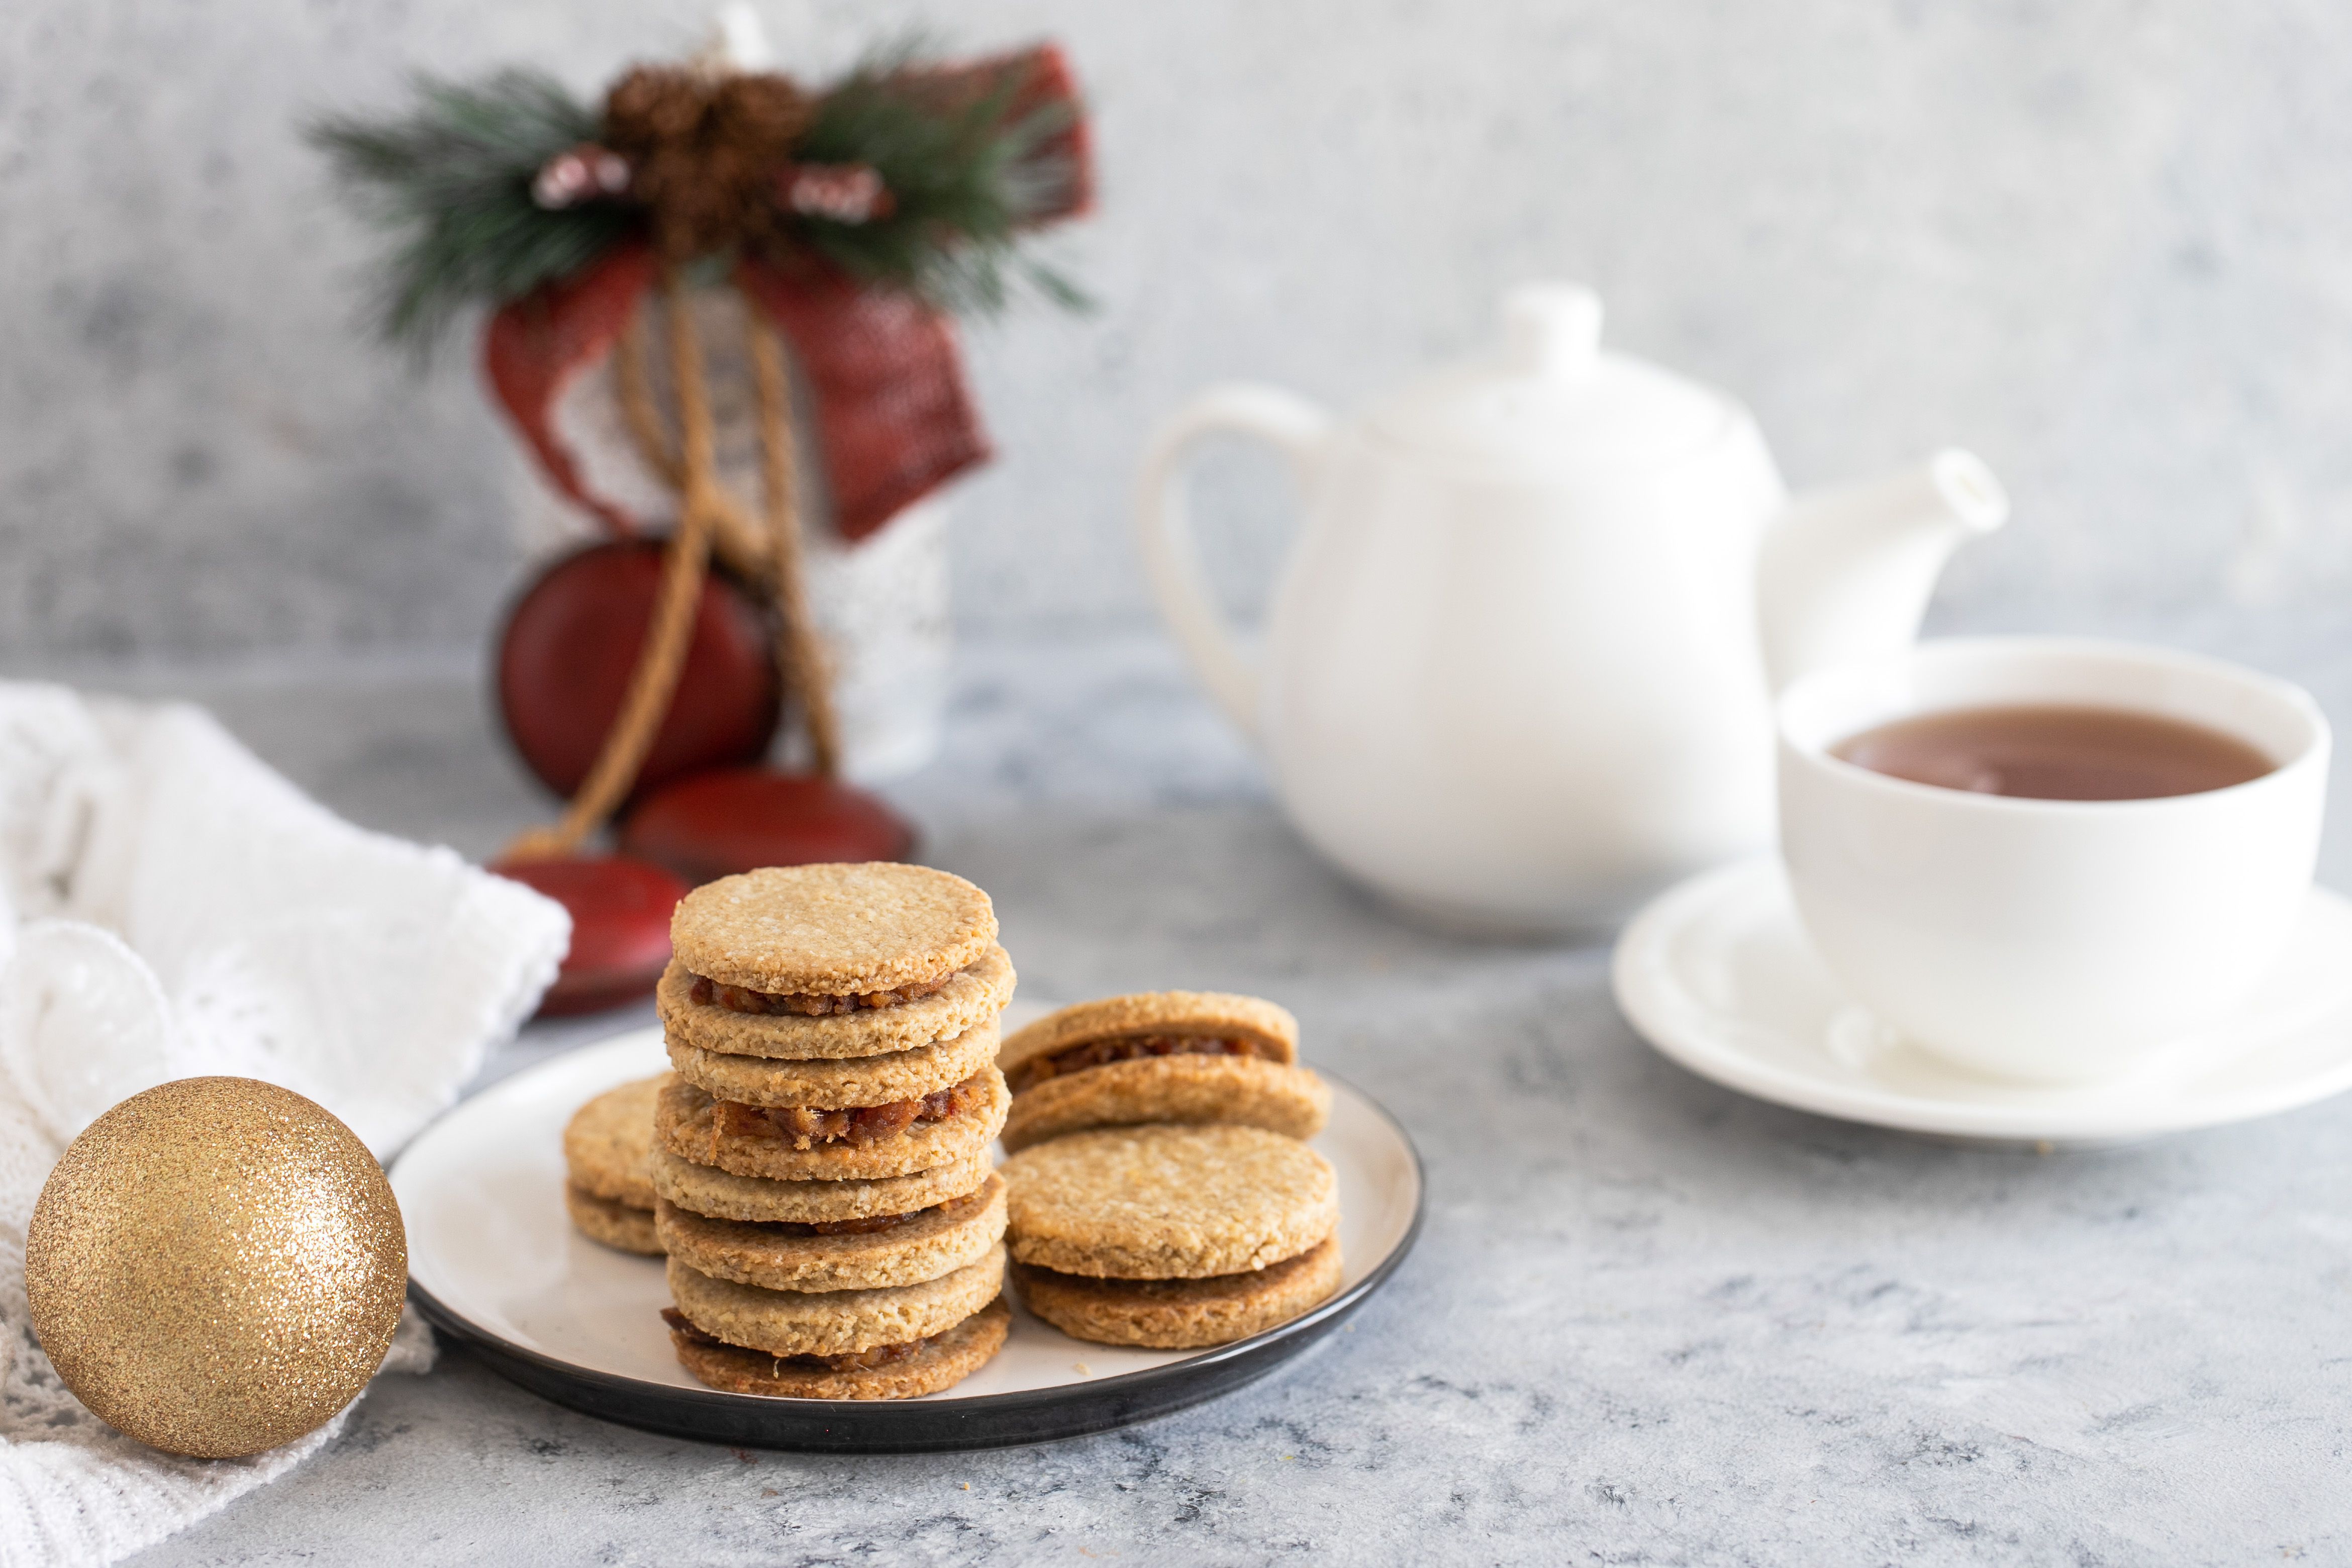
(836, 929)
(1181, 1314)
(722, 1194)
(974, 993)
(1168, 1203)
(1188, 1089)
(833, 1322)
(935, 1242)
(683, 1124)
(617, 1225)
(836, 1083)
(608, 1141)
(947, 1361)
(1208, 1015)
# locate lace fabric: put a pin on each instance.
(169, 906)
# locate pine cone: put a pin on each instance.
(762, 114)
(703, 151)
(653, 104)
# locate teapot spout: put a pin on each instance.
(1845, 573)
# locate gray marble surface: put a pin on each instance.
(1649, 1320)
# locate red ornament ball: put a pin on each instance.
(737, 819)
(570, 644)
(620, 928)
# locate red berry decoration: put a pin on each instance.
(717, 824)
(573, 640)
(620, 927)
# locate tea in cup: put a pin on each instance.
(2049, 859)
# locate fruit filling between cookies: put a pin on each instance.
(862, 1126)
(1128, 1048)
(952, 1210)
(853, 1360)
(809, 1004)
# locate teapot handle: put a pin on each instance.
(1302, 432)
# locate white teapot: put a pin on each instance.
(1518, 673)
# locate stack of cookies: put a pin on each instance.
(608, 1154)
(1162, 1192)
(819, 1162)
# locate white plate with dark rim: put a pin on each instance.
(1718, 974)
(494, 1261)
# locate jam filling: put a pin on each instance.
(954, 1208)
(854, 1361)
(1127, 1048)
(808, 1005)
(806, 1126)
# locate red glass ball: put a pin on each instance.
(570, 644)
(620, 928)
(737, 819)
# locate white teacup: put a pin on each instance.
(2051, 941)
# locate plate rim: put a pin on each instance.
(1646, 937)
(1273, 1346)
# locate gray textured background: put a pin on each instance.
(2104, 242)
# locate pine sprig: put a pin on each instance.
(963, 170)
(452, 180)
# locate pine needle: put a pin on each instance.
(451, 181)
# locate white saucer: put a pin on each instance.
(1717, 974)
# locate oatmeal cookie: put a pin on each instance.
(616, 1225)
(925, 1366)
(833, 1322)
(839, 1254)
(687, 1122)
(1181, 1314)
(608, 1141)
(837, 929)
(1151, 1022)
(1182, 1088)
(836, 1081)
(1168, 1203)
(971, 995)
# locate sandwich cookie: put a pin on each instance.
(894, 1372)
(818, 940)
(833, 1322)
(968, 996)
(1169, 1203)
(848, 1082)
(607, 1158)
(1181, 1314)
(838, 1255)
(722, 1195)
(1165, 1055)
(803, 1145)
(1106, 1226)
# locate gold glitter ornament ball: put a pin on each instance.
(216, 1266)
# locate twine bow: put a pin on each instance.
(707, 512)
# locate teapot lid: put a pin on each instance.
(1550, 399)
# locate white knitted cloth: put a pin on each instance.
(170, 907)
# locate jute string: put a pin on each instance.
(738, 539)
(800, 663)
(705, 510)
